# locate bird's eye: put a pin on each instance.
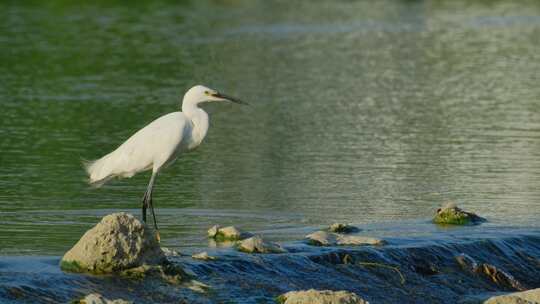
(206, 92)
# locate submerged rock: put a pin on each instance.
(170, 252)
(203, 256)
(358, 240)
(524, 297)
(256, 244)
(118, 242)
(167, 272)
(342, 228)
(492, 273)
(323, 238)
(466, 262)
(96, 298)
(313, 296)
(229, 233)
(452, 215)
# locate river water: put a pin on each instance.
(372, 113)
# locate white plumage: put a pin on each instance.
(151, 147)
(159, 143)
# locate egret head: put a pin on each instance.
(199, 94)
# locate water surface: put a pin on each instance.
(362, 112)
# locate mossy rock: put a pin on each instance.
(342, 228)
(230, 233)
(118, 242)
(280, 299)
(455, 216)
(71, 266)
(221, 237)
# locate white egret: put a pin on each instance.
(158, 144)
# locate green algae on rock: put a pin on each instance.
(342, 228)
(452, 215)
(230, 233)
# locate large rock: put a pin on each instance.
(256, 244)
(323, 238)
(313, 296)
(96, 298)
(452, 215)
(117, 243)
(229, 233)
(525, 297)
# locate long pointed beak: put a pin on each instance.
(230, 98)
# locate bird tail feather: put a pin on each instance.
(99, 170)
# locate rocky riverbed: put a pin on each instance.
(120, 260)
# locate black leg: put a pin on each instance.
(147, 202)
(153, 213)
(144, 205)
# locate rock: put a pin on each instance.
(323, 238)
(118, 242)
(524, 297)
(203, 256)
(466, 262)
(170, 252)
(167, 272)
(342, 228)
(500, 277)
(358, 240)
(212, 232)
(256, 245)
(452, 215)
(492, 273)
(95, 298)
(313, 296)
(229, 233)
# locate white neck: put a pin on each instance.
(199, 119)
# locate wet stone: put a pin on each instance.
(168, 272)
(342, 228)
(313, 296)
(229, 233)
(95, 298)
(357, 240)
(256, 244)
(323, 238)
(203, 256)
(490, 272)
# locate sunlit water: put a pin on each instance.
(373, 113)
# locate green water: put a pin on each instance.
(363, 112)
